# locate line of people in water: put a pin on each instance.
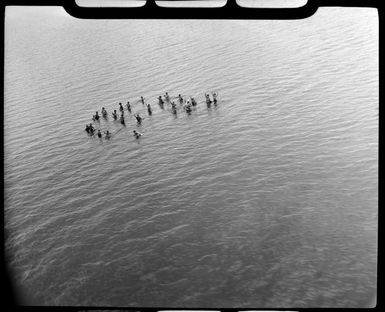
(91, 130)
(189, 103)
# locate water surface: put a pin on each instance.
(268, 199)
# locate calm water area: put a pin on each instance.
(267, 199)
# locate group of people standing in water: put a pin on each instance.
(188, 104)
(91, 130)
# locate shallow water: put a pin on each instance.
(267, 199)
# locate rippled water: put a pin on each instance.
(268, 199)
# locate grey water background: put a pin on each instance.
(268, 199)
